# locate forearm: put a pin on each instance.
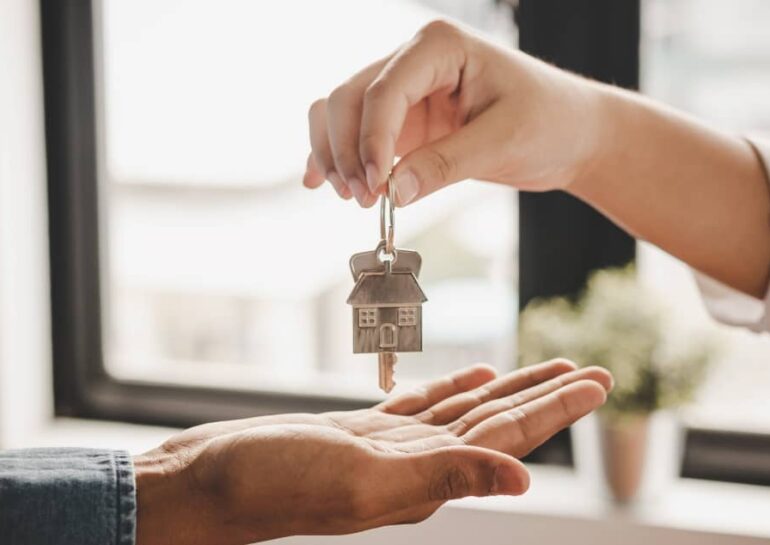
(697, 193)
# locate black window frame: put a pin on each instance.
(597, 38)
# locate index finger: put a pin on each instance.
(465, 379)
(433, 60)
(453, 407)
(521, 429)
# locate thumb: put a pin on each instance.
(468, 152)
(455, 472)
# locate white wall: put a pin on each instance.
(25, 377)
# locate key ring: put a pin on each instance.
(387, 229)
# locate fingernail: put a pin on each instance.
(359, 191)
(369, 200)
(407, 187)
(372, 199)
(372, 177)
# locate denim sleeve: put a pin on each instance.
(67, 497)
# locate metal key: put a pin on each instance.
(386, 299)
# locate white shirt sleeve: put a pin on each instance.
(727, 304)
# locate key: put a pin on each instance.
(386, 299)
(387, 315)
(387, 361)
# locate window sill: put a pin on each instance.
(562, 505)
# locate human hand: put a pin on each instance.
(453, 106)
(265, 477)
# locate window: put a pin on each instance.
(199, 278)
(194, 279)
(711, 58)
(367, 317)
(219, 267)
(407, 316)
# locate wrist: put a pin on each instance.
(606, 104)
(168, 509)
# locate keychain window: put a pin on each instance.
(367, 317)
(407, 316)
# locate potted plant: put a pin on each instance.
(620, 325)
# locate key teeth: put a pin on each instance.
(386, 360)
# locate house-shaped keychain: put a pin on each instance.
(386, 299)
(387, 312)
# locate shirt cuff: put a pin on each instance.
(733, 307)
(67, 497)
(727, 304)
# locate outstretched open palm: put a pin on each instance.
(399, 461)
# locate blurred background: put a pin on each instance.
(192, 276)
(219, 268)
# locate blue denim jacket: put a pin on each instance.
(67, 497)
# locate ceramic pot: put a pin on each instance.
(624, 451)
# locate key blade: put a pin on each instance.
(387, 361)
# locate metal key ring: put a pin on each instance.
(383, 256)
(387, 228)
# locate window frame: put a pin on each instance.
(367, 317)
(407, 316)
(552, 226)
(82, 387)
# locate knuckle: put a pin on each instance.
(439, 28)
(339, 97)
(376, 91)
(528, 375)
(369, 142)
(482, 394)
(521, 424)
(347, 163)
(514, 401)
(316, 107)
(567, 409)
(460, 426)
(442, 167)
(368, 138)
(427, 415)
(449, 483)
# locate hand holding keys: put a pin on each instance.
(386, 299)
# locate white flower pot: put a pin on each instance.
(634, 458)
